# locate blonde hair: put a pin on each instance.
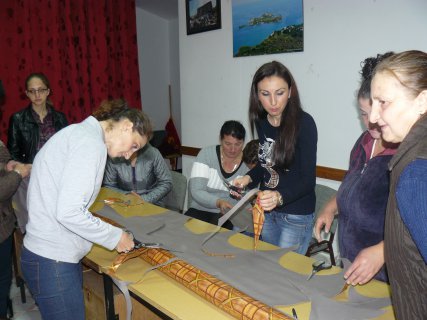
(409, 68)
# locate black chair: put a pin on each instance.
(323, 195)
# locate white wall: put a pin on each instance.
(158, 67)
(175, 72)
(338, 35)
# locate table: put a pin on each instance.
(180, 302)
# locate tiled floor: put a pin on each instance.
(23, 311)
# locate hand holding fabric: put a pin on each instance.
(126, 243)
(223, 205)
(366, 265)
(268, 199)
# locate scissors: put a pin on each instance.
(139, 244)
(318, 266)
(240, 191)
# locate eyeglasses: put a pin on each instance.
(33, 92)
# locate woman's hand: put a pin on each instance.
(366, 265)
(325, 218)
(23, 169)
(242, 182)
(11, 165)
(223, 205)
(269, 199)
(125, 243)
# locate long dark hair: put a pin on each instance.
(116, 110)
(284, 149)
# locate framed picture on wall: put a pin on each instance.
(202, 15)
(267, 27)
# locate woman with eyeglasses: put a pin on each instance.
(30, 128)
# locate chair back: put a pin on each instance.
(174, 200)
(323, 195)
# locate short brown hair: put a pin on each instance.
(118, 109)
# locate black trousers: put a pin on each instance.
(5, 274)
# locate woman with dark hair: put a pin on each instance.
(65, 180)
(361, 199)
(286, 169)
(30, 128)
(399, 107)
(250, 153)
(209, 196)
(145, 173)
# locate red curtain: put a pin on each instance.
(86, 48)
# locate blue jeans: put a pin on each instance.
(57, 287)
(286, 230)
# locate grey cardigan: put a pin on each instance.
(152, 180)
(65, 180)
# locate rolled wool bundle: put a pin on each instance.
(221, 294)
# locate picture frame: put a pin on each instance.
(202, 15)
(267, 27)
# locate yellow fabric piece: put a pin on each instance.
(134, 207)
(298, 263)
(246, 243)
(374, 289)
(197, 226)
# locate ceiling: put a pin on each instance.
(166, 9)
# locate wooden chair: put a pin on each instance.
(323, 195)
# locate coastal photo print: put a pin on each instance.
(267, 27)
(202, 15)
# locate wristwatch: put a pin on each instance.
(279, 199)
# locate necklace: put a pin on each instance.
(235, 162)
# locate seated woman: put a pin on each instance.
(209, 196)
(30, 128)
(145, 173)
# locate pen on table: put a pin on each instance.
(294, 314)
